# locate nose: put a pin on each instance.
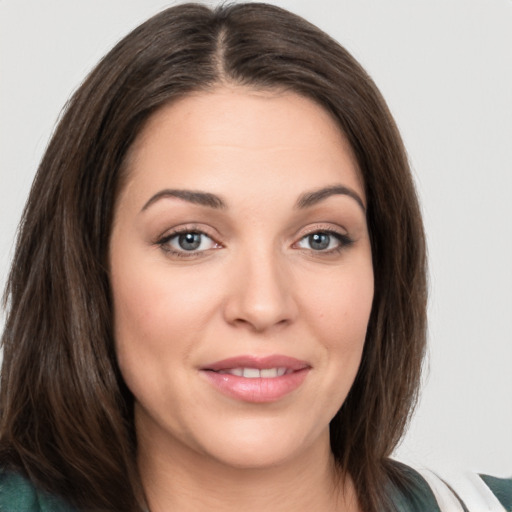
(261, 293)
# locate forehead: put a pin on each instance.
(233, 138)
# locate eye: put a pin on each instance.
(184, 242)
(324, 241)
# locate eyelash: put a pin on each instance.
(344, 241)
(164, 242)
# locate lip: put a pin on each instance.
(260, 389)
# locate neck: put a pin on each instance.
(175, 477)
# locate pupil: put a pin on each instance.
(189, 241)
(319, 241)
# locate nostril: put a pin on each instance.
(259, 298)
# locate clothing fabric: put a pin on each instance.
(17, 494)
(458, 493)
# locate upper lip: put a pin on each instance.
(260, 363)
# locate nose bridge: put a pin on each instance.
(260, 295)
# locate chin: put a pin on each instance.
(262, 445)
(253, 456)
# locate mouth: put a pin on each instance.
(257, 379)
(255, 373)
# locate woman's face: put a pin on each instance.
(242, 277)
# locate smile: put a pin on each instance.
(255, 379)
(255, 373)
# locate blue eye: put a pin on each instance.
(187, 242)
(324, 241)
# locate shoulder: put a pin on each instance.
(17, 494)
(410, 491)
(501, 488)
(425, 490)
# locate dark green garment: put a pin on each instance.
(501, 488)
(417, 496)
(18, 495)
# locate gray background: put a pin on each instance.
(445, 68)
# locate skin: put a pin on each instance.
(255, 286)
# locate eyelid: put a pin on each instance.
(193, 227)
(341, 234)
(163, 240)
(324, 227)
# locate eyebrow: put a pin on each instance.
(309, 199)
(305, 200)
(192, 196)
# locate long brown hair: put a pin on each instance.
(66, 415)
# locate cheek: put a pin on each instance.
(336, 312)
(157, 317)
(151, 298)
(341, 307)
(340, 312)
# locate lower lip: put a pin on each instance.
(258, 390)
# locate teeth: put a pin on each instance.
(251, 373)
(254, 373)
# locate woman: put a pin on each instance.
(218, 295)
